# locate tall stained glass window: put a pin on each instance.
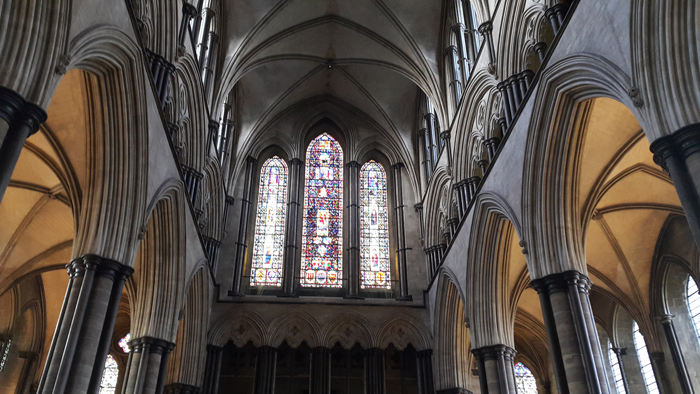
(694, 304)
(644, 361)
(374, 228)
(322, 241)
(524, 379)
(268, 249)
(617, 372)
(109, 376)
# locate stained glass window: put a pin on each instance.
(374, 224)
(617, 372)
(109, 376)
(269, 226)
(124, 343)
(694, 304)
(524, 380)
(644, 361)
(322, 241)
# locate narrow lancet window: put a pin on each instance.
(109, 376)
(524, 379)
(694, 304)
(322, 241)
(617, 372)
(644, 361)
(268, 248)
(374, 228)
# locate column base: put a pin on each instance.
(405, 298)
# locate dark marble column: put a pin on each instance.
(483, 165)
(455, 83)
(657, 364)
(486, 30)
(679, 155)
(472, 184)
(430, 262)
(239, 263)
(462, 61)
(211, 250)
(209, 61)
(188, 12)
(426, 163)
(676, 353)
(431, 130)
(496, 375)
(181, 388)
(192, 179)
(541, 49)
(491, 146)
(265, 370)
(619, 352)
(566, 305)
(507, 105)
(400, 234)
(161, 70)
(203, 35)
(212, 370)
(425, 371)
(461, 200)
(445, 136)
(320, 380)
(77, 354)
(291, 235)
(374, 371)
(419, 209)
(556, 16)
(147, 365)
(22, 119)
(452, 224)
(353, 268)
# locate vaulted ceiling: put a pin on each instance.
(371, 57)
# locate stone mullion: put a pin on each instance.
(203, 35)
(239, 263)
(619, 353)
(486, 30)
(432, 133)
(455, 83)
(353, 269)
(556, 15)
(424, 142)
(676, 353)
(400, 234)
(23, 119)
(188, 12)
(374, 371)
(491, 146)
(320, 380)
(445, 136)
(289, 268)
(419, 209)
(458, 29)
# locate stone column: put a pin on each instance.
(241, 245)
(619, 352)
(77, 354)
(212, 370)
(353, 268)
(462, 197)
(424, 360)
(452, 223)
(419, 209)
(572, 333)
(400, 234)
(491, 146)
(496, 375)
(203, 35)
(507, 106)
(192, 179)
(676, 353)
(265, 370)
(472, 184)
(657, 365)
(374, 371)
(486, 30)
(188, 12)
(432, 133)
(455, 83)
(458, 30)
(147, 365)
(320, 380)
(211, 250)
(424, 141)
(541, 49)
(208, 61)
(430, 262)
(181, 388)
(445, 136)
(291, 235)
(556, 16)
(679, 155)
(21, 120)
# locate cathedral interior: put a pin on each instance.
(349, 196)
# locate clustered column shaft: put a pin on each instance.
(192, 180)
(212, 370)
(374, 371)
(425, 372)
(291, 235)
(22, 119)
(513, 90)
(161, 70)
(619, 352)
(241, 245)
(147, 365)
(265, 370)
(400, 234)
(676, 353)
(353, 177)
(89, 311)
(320, 382)
(496, 374)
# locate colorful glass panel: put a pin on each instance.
(124, 343)
(268, 250)
(644, 360)
(109, 376)
(694, 304)
(322, 238)
(524, 379)
(374, 228)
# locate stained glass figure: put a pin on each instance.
(644, 360)
(109, 376)
(524, 379)
(268, 250)
(375, 269)
(322, 238)
(124, 343)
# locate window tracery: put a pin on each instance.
(374, 228)
(321, 256)
(268, 250)
(524, 379)
(110, 376)
(644, 360)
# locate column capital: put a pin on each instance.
(188, 10)
(251, 160)
(665, 319)
(397, 166)
(540, 47)
(215, 349)
(458, 27)
(450, 50)
(486, 28)
(555, 9)
(155, 345)
(684, 141)
(424, 353)
(230, 200)
(353, 164)
(419, 206)
(15, 110)
(620, 351)
(296, 161)
(103, 267)
(445, 135)
(559, 282)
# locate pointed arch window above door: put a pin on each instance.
(322, 238)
